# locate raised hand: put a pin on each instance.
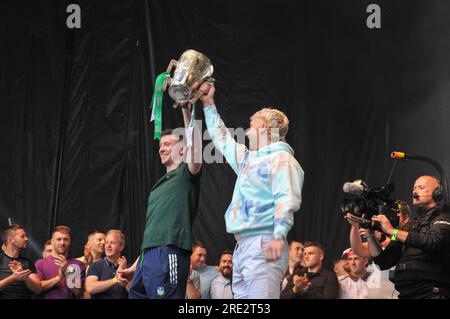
(122, 261)
(301, 282)
(62, 263)
(352, 220)
(88, 258)
(20, 274)
(15, 265)
(126, 273)
(384, 222)
(208, 91)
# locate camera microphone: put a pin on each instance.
(353, 188)
(420, 196)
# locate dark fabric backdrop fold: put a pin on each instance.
(76, 140)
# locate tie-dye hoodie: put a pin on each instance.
(268, 186)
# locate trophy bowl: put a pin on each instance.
(192, 69)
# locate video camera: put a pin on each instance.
(363, 202)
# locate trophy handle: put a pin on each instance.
(172, 63)
(167, 82)
(195, 97)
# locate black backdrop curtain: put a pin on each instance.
(76, 141)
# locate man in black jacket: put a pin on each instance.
(422, 254)
(312, 282)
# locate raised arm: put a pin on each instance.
(220, 135)
(355, 238)
(434, 241)
(194, 151)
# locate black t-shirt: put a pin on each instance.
(105, 270)
(17, 289)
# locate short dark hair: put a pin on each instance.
(314, 244)
(48, 242)
(167, 131)
(336, 261)
(170, 131)
(197, 243)
(295, 241)
(225, 252)
(93, 233)
(9, 230)
(62, 229)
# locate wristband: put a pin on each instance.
(394, 235)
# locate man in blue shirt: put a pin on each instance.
(102, 282)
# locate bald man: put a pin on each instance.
(421, 254)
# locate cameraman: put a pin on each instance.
(356, 232)
(421, 255)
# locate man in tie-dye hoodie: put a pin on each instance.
(266, 195)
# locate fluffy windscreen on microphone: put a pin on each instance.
(353, 188)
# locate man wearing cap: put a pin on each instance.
(354, 285)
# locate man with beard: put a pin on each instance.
(17, 273)
(61, 277)
(421, 254)
(312, 282)
(221, 285)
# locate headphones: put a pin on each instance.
(437, 193)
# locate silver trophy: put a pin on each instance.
(192, 70)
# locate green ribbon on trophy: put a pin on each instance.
(157, 104)
(192, 69)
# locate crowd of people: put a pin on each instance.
(262, 265)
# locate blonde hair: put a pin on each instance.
(277, 122)
(119, 233)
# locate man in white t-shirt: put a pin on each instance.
(355, 285)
